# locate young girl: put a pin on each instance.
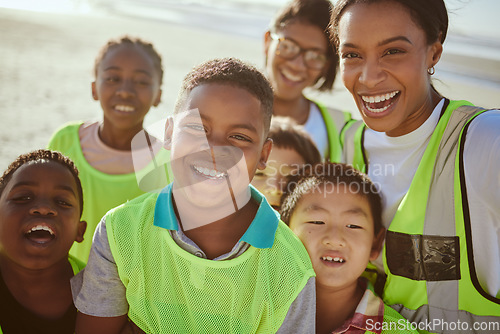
(292, 149)
(40, 207)
(128, 76)
(299, 55)
(441, 160)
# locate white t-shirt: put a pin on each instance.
(316, 128)
(394, 161)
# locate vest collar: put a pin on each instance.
(260, 233)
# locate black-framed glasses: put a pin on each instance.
(288, 49)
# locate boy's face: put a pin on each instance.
(271, 181)
(336, 227)
(39, 215)
(127, 85)
(217, 137)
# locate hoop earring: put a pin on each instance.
(431, 70)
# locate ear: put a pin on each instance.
(82, 227)
(378, 242)
(158, 98)
(264, 154)
(169, 130)
(267, 42)
(435, 52)
(94, 91)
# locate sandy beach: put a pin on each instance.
(47, 62)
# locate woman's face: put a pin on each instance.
(289, 77)
(384, 57)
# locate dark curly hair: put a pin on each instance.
(232, 72)
(316, 13)
(335, 174)
(43, 155)
(127, 40)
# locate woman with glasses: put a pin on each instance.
(299, 55)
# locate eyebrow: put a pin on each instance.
(300, 46)
(381, 43)
(116, 68)
(247, 126)
(31, 183)
(353, 211)
(314, 207)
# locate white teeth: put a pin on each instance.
(379, 98)
(124, 108)
(333, 259)
(211, 173)
(41, 228)
(291, 76)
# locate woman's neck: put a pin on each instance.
(334, 307)
(298, 109)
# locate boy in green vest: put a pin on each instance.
(335, 210)
(207, 254)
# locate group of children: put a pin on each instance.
(260, 229)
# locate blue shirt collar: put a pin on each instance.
(260, 233)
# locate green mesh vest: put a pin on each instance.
(172, 291)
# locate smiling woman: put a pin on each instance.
(437, 149)
(299, 55)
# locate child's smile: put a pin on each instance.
(336, 227)
(216, 145)
(39, 215)
(126, 85)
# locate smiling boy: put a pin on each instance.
(207, 254)
(41, 204)
(335, 211)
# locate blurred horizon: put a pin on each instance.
(464, 15)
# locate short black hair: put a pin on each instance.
(316, 13)
(43, 155)
(135, 41)
(335, 174)
(232, 72)
(286, 133)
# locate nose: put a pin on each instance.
(126, 89)
(371, 74)
(43, 208)
(334, 236)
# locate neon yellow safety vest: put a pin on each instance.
(335, 121)
(101, 191)
(428, 257)
(172, 291)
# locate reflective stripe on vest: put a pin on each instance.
(352, 139)
(428, 251)
(430, 280)
(334, 122)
